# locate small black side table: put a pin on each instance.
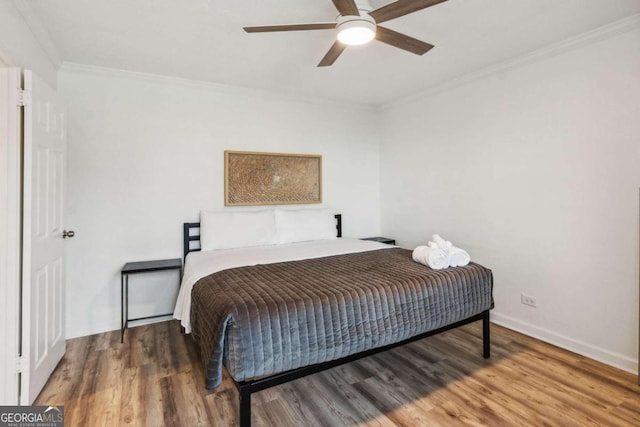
(141, 267)
(382, 240)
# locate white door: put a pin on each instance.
(43, 338)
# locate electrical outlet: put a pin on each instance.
(528, 300)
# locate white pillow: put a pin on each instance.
(305, 225)
(226, 230)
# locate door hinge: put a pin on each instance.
(24, 98)
(21, 364)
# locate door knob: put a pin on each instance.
(68, 234)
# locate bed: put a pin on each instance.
(271, 314)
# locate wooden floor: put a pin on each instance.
(155, 378)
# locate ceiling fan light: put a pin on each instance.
(356, 31)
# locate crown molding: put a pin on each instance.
(619, 27)
(217, 87)
(38, 30)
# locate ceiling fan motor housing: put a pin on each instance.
(355, 30)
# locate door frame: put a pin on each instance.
(10, 234)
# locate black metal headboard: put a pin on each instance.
(188, 237)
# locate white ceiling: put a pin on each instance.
(204, 40)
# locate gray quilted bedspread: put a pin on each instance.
(265, 319)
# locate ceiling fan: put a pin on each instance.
(358, 24)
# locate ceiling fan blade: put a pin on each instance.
(346, 7)
(291, 27)
(401, 8)
(333, 54)
(402, 41)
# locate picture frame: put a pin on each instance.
(254, 178)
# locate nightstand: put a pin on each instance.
(381, 240)
(137, 268)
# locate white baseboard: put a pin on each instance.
(611, 358)
(605, 356)
(85, 330)
(110, 326)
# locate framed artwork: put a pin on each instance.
(254, 178)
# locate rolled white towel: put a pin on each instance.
(458, 257)
(435, 258)
(442, 244)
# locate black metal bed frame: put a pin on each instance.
(246, 388)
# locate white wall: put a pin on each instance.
(535, 170)
(24, 42)
(146, 155)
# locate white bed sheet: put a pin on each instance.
(201, 264)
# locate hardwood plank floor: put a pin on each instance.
(156, 379)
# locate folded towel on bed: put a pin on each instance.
(435, 258)
(440, 242)
(458, 257)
